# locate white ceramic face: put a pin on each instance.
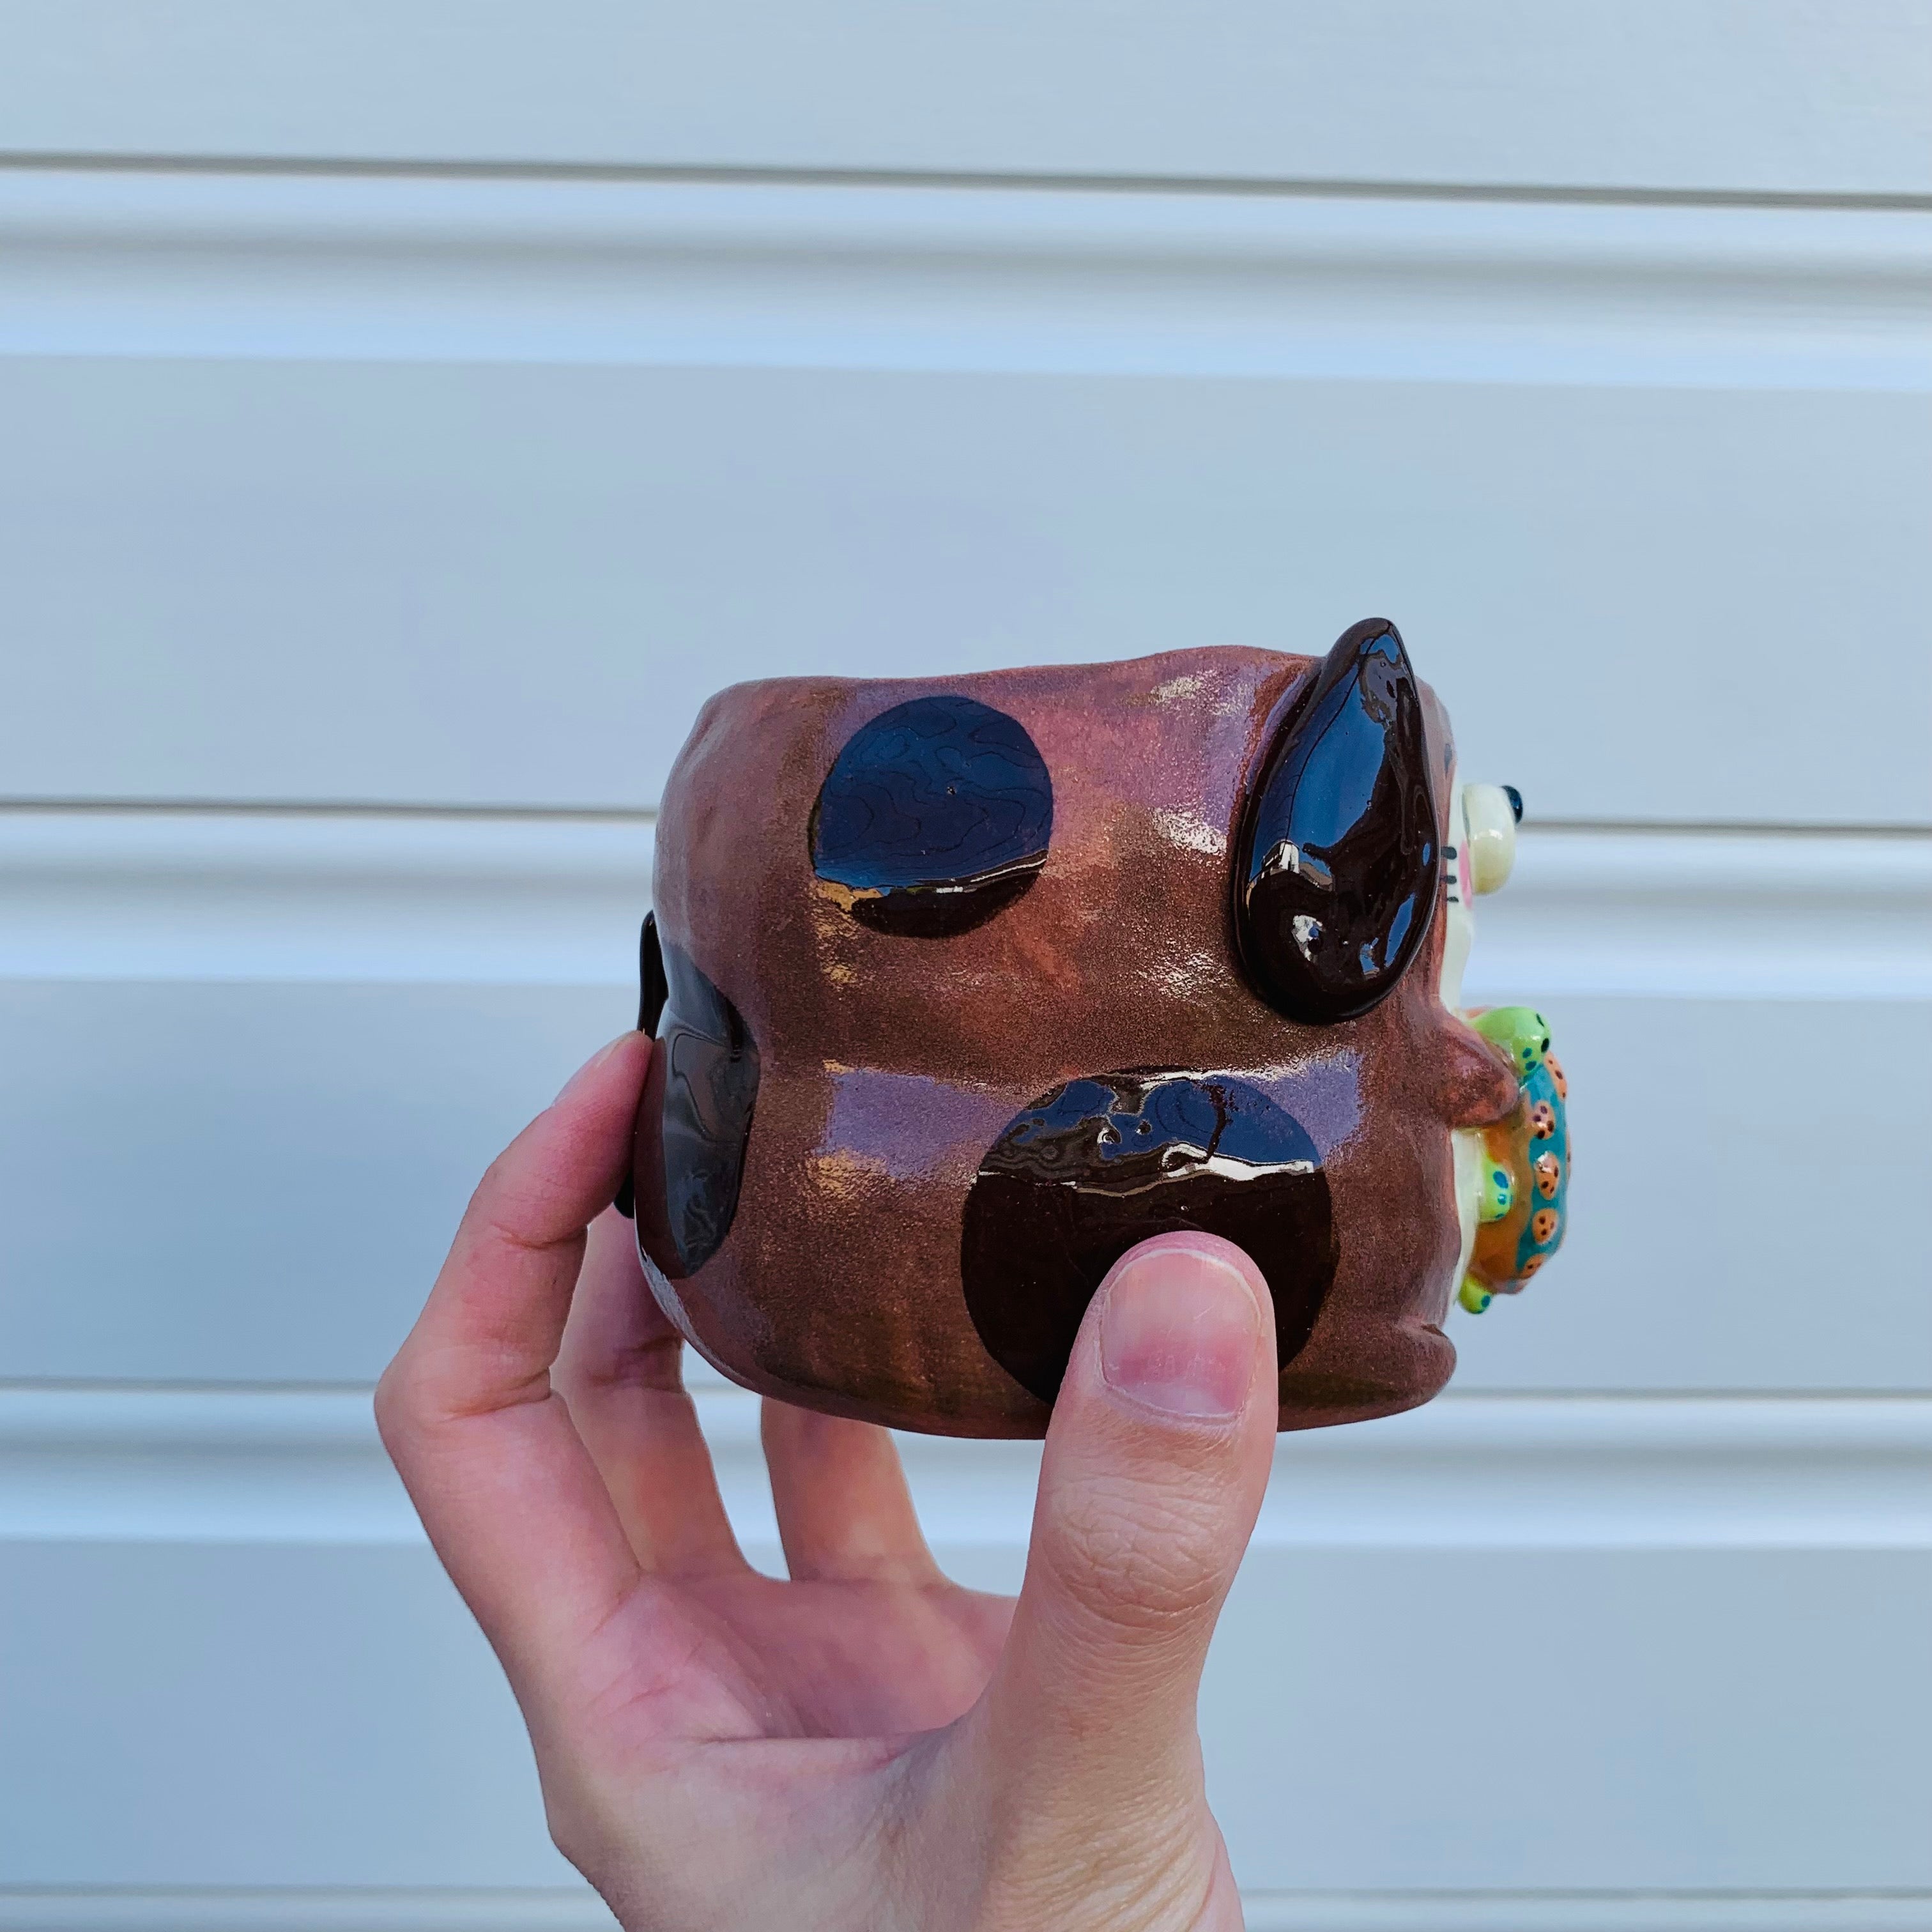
(1459, 890)
(1481, 855)
(1459, 934)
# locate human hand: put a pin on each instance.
(867, 1745)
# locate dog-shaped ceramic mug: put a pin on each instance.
(961, 986)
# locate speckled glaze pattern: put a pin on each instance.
(890, 1066)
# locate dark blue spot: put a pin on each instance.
(936, 814)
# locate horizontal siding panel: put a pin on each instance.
(1608, 1722)
(515, 584)
(269, 1055)
(380, 899)
(815, 274)
(469, 492)
(232, 1715)
(493, 899)
(254, 1181)
(107, 1463)
(1781, 915)
(285, 1161)
(1780, 96)
(346, 1727)
(1727, 1720)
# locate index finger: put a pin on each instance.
(509, 1495)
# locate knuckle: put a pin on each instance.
(495, 1179)
(395, 1403)
(655, 1363)
(577, 1824)
(572, 1834)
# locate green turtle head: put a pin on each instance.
(1522, 1032)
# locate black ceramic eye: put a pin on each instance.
(1101, 1163)
(935, 815)
(696, 1118)
(1336, 865)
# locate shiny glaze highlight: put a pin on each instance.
(1335, 872)
(1102, 1163)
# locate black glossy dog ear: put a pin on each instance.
(652, 988)
(1336, 863)
(653, 992)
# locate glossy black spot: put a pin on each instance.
(1099, 1164)
(935, 815)
(1336, 863)
(695, 1120)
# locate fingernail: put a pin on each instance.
(589, 1067)
(1177, 1332)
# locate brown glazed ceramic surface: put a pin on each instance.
(889, 1064)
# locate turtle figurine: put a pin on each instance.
(1523, 1184)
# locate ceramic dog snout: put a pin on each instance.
(962, 987)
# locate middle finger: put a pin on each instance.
(619, 1370)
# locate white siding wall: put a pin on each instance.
(409, 412)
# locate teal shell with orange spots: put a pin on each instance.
(1523, 1187)
(1544, 1102)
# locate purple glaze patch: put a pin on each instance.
(1324, 1095)
(909, 1124)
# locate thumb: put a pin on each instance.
(1156, 1459)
